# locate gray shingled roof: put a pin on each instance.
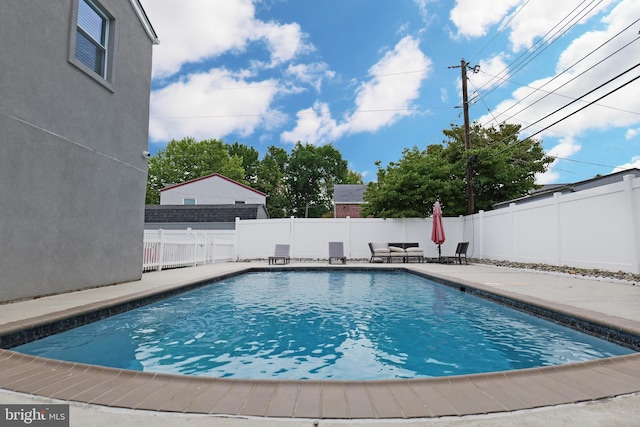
(202, 213)
(348, 193)
(548, 190)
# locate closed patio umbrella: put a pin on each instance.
(437, 231)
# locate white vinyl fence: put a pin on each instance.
(595, 228)
(185, 248)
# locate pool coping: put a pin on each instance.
(329, 399)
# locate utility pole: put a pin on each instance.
(467, 137)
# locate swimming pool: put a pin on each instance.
(261, 325)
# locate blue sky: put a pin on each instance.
(373, 77)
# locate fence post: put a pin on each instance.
(211, 249)
(292, 227)
(348, 242)
(480, 232)
(195, 248)
(512, 230)
(237, 239)
(558, 219)
(633, 223)
(161, 249)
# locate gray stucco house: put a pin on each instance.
(75, 81)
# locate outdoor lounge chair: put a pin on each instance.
(281, 253)
(414, 252)
(336, 251)
(381, 252)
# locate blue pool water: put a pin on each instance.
(323, 325)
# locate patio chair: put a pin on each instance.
(461, 251)
(280, 253)
(336, 251)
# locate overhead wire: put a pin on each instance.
(532, 52)
(570, 114)
(544, 42)
(554, 37)
(504, 27)
(480, 97)
(548, 93)
(588, 93)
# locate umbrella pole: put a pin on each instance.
(439, 254)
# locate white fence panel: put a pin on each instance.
(594, 228)
(309, 238)
(184, 248)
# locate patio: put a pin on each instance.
(541, 396)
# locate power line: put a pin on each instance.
(568, 115)
(544, 40)
(588, 93)
(506, 24)
(567, 69)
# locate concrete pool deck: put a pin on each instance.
(603, 393)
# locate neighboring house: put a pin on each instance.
(214, 189)
(200, 217)
(75, 82)
(348, 200)
(211, 202)
(548, 190)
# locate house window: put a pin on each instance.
(92, 35)
(239, 202)
(188, 201)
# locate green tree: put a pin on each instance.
(188, 159)
(271, 181)
(353, 177)
(504, 168)
(250, 160)
(409, 188)
(310, 175)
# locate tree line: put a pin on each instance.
(300, 183)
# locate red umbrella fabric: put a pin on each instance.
(437, 232)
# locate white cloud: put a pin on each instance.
(528, 106)
(539, 18)
(631, 133)
(383, 100)
(211, 105)
(396, 82)
(314, 126)
(634, 163)
(474, 18)
(197, 30)
(565, 149)
(312, 74)
(550, 19)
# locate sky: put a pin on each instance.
(373, 77)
